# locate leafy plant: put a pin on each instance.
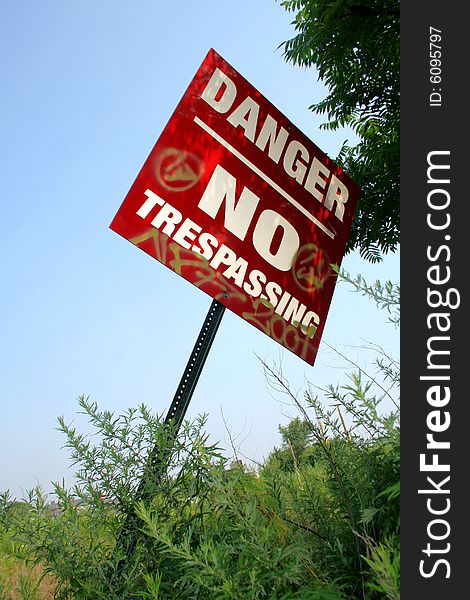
(318, 520)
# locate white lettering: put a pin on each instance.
(187, 233)
(223, 256)
(170, 216)
(310, 323)
(221, 92)
(434, 466)
(238, 215)
(268, 223)
(314, 179)
(294, 312)
(282, 303)
(276, 143)
(337, 192)
(246, 116)
(208, 243)
(224, 102)
(272, 291)
(237, 271)
(151, 202)
(292, 163)
(254, 288)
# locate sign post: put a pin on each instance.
(185, 390)
(157, 460)
(235, 199)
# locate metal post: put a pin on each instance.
(184, 393)
(157, 460)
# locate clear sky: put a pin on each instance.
(87, 88)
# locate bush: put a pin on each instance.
(318, 520)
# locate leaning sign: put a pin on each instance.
(238, 201)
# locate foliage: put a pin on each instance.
(355, 48)
(18, 580)
(318, 520)
(344, 485)
(384, 561)
(316, 528)
(386, 296)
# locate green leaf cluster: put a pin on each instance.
(354, 45)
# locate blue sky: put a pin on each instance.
(87, 88)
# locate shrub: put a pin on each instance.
(318, 520)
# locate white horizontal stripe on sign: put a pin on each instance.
(263, 176)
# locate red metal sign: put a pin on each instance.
(238, 201)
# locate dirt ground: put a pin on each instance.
(21, 582)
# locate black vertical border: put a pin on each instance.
(426, 128)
